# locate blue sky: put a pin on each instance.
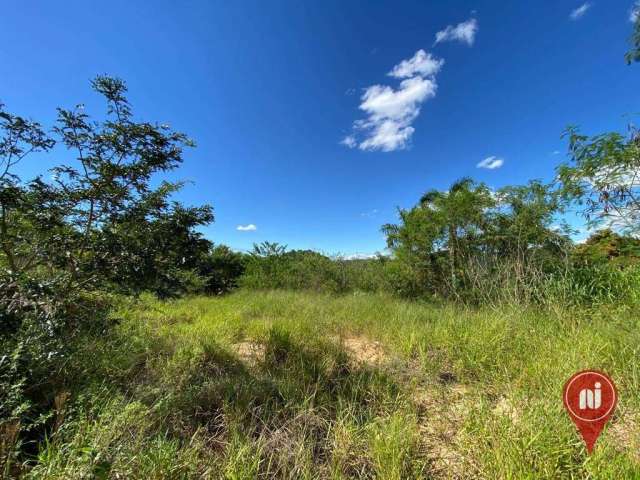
(270, 91)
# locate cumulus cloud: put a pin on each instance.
(247, 228)
(391, 111)
(580, 11)
(491, 163)
(464, 32)
(422, 63)
(634, 13)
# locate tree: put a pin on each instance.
(603, 178)
(608, 247)
(99, 220)
(98, 226)
(268, 249)
(459, 241)
(448, 222)
(522, 224)
(19, 138)
(222, 268)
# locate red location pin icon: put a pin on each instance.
(590, 397)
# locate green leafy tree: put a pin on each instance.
(100, 221)
(98, 226)
(109, 192)
(268, 249)
(443, 223)
(460, 241)
(606, 247)
(222, 269)
(521, 226)
(23, 213)
(603, 178)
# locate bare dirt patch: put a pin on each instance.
(442, 410)
(364, 350)
(624, 432)
(505, 407)
(250, 353)
(442, 405)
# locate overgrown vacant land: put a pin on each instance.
(133, 347)
(294, 385)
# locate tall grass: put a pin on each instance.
(453, 392)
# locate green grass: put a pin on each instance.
(449, 393)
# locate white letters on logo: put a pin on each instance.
(591, 399)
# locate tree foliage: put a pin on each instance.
(99, 220)
(453, 240)
(603, 178)
(606, 247)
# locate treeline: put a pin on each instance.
(603, 270)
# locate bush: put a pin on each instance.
(42, 323)
(309, 270)
(221, 269)
(295, 270)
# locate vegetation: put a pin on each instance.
(305, 385)
(120, 357)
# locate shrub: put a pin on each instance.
(42, 323)
(296, 270)
(221, 268)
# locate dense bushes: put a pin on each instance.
(297, 270)
(43, 324)
(271, 266)
(560, 274)
(221, 268)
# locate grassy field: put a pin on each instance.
(292, 385)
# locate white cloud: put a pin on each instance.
(361, 256)
(464, 32)
(370, 214)
(422, 63)
(247, 228)
(491, 163)
(349, 141)
(580, 11)
(391, 112)
(634, 13)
